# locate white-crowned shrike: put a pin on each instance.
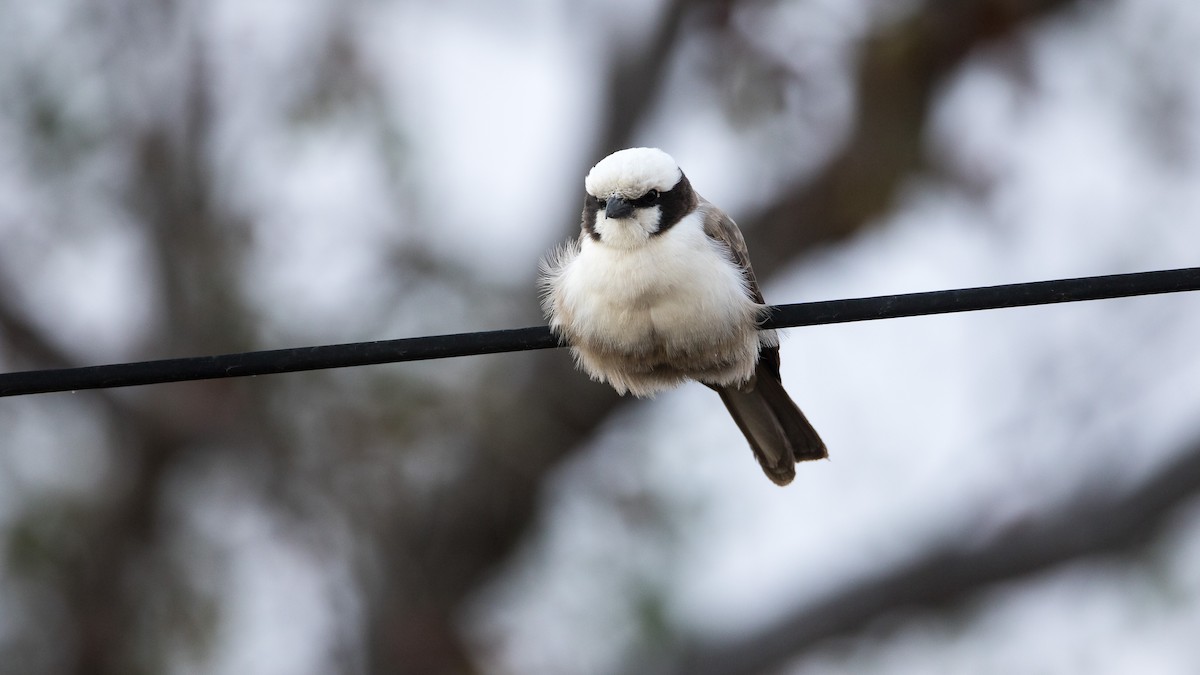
(658, 290)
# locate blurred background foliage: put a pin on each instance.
(1008, 491)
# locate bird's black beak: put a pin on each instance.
(617, 207)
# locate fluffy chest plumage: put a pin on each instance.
(679, 289)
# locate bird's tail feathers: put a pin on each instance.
(779, 433)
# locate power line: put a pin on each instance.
(539, 337)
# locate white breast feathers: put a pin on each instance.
(650, 317)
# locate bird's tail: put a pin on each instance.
(778, 432)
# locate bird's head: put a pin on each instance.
(633, 195)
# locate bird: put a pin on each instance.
(657, 290)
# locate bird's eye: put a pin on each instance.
(648, 199)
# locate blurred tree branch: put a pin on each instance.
(635, 76)
(27, 340)
(900, 69)
(1101, 520)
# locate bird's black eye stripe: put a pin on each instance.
(648, 199)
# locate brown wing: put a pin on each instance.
(721, 228)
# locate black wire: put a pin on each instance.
(987, 297)
(539, 337)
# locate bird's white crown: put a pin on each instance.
(630, 173)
